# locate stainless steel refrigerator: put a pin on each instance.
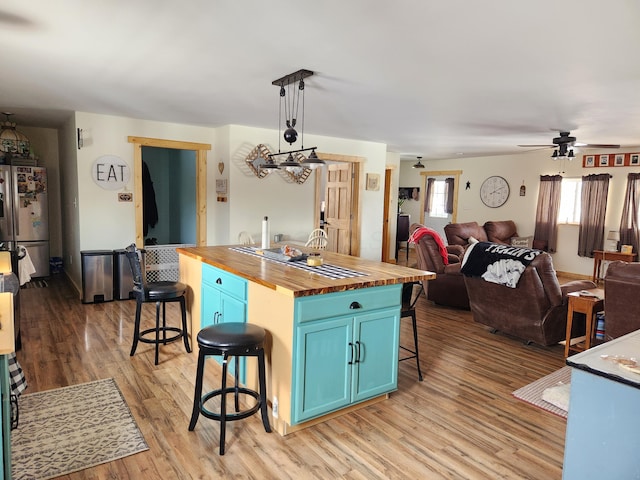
(24, 213)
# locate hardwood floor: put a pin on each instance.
(461, 422)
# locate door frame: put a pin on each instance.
(357, 185)
(201, 182)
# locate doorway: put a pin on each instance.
(338, 196)
(200, 187)
(169, 203)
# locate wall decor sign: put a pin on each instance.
(110, 172)
(611, 160)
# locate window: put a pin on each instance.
(439, 199)
(570, 201)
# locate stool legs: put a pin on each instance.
(197, 395)
(415, 354)
(185, 333)
(415, 342)
(263, 391)
(138, 336)
(136, 328)
(198, 399)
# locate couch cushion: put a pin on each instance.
(501, 232)
(459, 233)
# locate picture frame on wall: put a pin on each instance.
(373, 181)
(634, 159)
(589, 161)
(604, 161)
(619, 160)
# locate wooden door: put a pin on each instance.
(338, 218)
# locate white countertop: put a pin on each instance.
(600, 360)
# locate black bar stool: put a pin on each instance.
(160, 293)
(233, 339)
(408, 310)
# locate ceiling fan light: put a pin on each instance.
(555, 155)
(571, 155)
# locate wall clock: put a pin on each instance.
(494, 191)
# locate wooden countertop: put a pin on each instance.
(298, 283)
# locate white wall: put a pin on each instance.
(527, 167)
(289, 206)
(104, 223)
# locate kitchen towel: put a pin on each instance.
(25, 265)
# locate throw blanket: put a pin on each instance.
(497, 263)
(422, 231)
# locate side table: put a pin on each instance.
(600, 255)
(589, 304)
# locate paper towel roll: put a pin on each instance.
(265, 232)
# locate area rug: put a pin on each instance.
(72, 428)
(534, 392)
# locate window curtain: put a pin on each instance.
(428, 199)
(449, 186)
(629, 234)
(593, 207)
(546, 231)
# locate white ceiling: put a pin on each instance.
(429, 78)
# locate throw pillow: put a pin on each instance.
(526, 242)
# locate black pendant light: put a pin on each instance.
(289, 102)
(418, 164)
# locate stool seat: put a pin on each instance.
(231, 336)
(163, 290)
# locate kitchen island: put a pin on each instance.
(333, 330)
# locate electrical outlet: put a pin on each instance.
(274, 407)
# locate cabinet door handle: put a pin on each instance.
(351, 347)
(359, 352)
(219, 281)
(355, 305)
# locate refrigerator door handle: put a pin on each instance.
(16, 213)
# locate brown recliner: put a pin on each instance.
(448, 287)
(535, 311)
(621, 299)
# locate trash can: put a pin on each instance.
(97, 276)
(122, 276)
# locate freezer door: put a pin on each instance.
(6, 205)
(39, 256)
(30, 204)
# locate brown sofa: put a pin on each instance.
(621, 299)
(448, 288)
(496, 232)
(535, 311)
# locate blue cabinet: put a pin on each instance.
(224, 299)
(345, 349)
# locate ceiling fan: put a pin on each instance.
(563, 143)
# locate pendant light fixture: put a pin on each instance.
(418, 164)
(290, 103)
(12, 142)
